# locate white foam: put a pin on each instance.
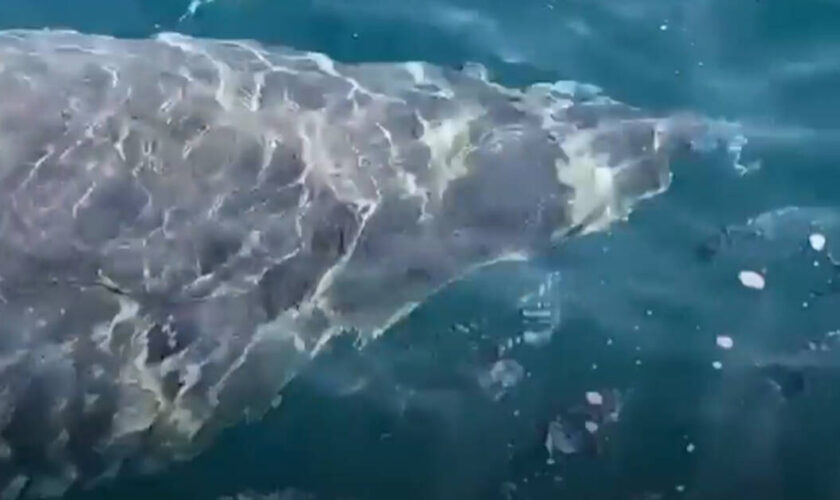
(752, 279)
(594, 398)
(724, 342)
(817, 241)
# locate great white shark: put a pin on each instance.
(185, 222)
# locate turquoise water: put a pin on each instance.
(639, 307)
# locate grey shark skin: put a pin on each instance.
(185, 222)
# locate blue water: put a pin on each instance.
(640, 306)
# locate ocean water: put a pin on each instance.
(458, 400)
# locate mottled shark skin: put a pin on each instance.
(185, 222)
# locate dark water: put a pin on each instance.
(640, 307)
